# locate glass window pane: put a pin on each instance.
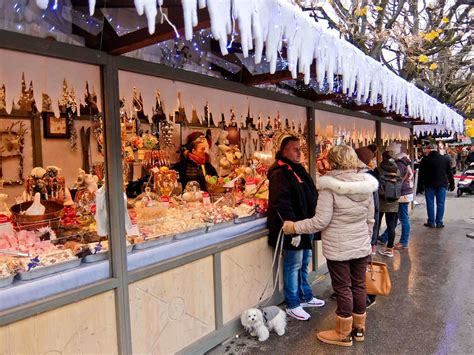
(334, 129)
(51, 167)
(172, 192)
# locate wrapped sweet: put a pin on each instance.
(192, 192)
(165, 180)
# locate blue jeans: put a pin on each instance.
(295, 277)
(404, 219)
(440, 194)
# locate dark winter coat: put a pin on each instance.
(435, 171)
(190, 171)
(388, 166)
(470, 158)
(375, 174)
(293, 195)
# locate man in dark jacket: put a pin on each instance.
(470, 157)
(436, 176)
(292, 197)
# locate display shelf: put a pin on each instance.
(23, 292)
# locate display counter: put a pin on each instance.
(181, 294)
(21, 292)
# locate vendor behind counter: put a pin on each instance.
(194, 162)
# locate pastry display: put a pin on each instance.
(25, 264)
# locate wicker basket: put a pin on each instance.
(51, 217)
(215, 189)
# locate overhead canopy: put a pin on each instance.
(273, 29)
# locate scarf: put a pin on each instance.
(196, 159)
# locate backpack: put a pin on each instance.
(390, 186)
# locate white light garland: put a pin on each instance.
(274, 22)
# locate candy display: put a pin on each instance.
(165, 180)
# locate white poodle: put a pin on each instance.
(261, 322)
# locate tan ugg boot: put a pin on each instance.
(358, 326)
(341, 335)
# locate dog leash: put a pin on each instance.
(279, 252)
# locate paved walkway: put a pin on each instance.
(430, 310)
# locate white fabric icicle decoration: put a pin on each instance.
(42, 4)
(91, 7)
(271, 23)
(221, 23)
(190, 17)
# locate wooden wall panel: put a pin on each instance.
(245, 271)
(173, 309)
(84, 327)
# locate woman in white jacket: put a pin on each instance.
(345, 216)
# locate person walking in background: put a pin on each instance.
(366, 156)
(292, 196)
(453, 156)
(389, 179)
(404, 166)
(367, 165)
(436, 176)
(345, 216)
(470, 156)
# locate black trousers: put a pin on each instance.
(391, 219)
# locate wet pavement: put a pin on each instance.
(430, 309)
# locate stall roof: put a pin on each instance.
(277, 31)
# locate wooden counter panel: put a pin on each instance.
(245, 271)
(171, 310)
(84, 327)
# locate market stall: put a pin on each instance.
(108, 238)
(55, 236)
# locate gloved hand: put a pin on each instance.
(289, 227)
(451, 187)
(296, 240)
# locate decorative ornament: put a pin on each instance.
(137, 103)
(98, 126)
(3, 100)
(26, 104)
(158, 115)
(90, 107)
(166, 130)
(47, 105)
(194, 117)
(13, 145)
(180, 113)
(68, 106)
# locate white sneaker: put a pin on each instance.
(298, 313)
(314, 302)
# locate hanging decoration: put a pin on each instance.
(3, 100)
(166, 130)
(26, 104)
(12, 147)
(271, 23)
(67, 105)
(98, 129)
(90, 102)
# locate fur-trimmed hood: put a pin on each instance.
(356, 186)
